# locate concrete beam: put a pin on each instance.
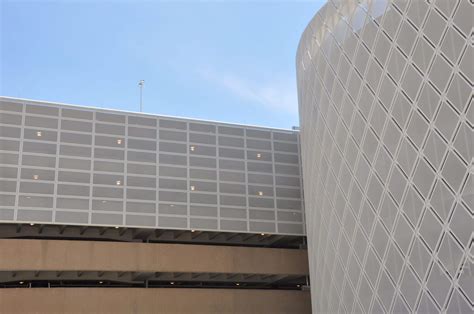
(153, 300)
(63, 255)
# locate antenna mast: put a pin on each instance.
(140, 84)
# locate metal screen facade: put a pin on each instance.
(69, 165)
(385, 96)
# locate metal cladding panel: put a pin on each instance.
(64, 164)
(385, 99)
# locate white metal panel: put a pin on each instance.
(92, 166)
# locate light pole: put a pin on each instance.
(140, 84)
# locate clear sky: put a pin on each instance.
(231, 61)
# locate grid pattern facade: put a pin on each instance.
(62, 164)
(385, 96)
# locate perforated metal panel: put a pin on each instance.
(72, 165)
(385, 96)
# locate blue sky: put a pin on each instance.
(229, 61)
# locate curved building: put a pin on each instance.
(385, 97)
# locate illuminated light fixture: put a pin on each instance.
(35, 177)
(116, 227)
(237, 284)
(298, 286)
(119, 141)
(193, 230)
(101, 282)
(259, 155)
(171, 205)
(118, 182)
(172, 283)
(193, 187)
(103, 202)
(262, 234)
(39, 134)
(28, 197)
(32, 224)
(192, 148)
(21, 282)
(260, 193)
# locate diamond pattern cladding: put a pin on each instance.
(385, 96)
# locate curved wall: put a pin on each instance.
(386, 116)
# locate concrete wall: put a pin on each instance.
(385, 96)
(58, 255)
(123, 300)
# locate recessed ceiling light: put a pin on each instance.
(39, 134)
(172, 283)
(35, 177)
(116, 227)
(21, 282)
(237, 284)
(119, 141)
(32, 224)
(103, 202)
(193, 230)
(262, 234)
(101, 282)
(259, 155)
(118, 182)
(192, 148)
(171, 205)
(260, 193)
(193, 187)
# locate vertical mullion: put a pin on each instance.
(125, 173)
(56, 165)
(218, 183)
(91, 167)
(274, 183)
(20, 161)
(157, 169)
(188, 191)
